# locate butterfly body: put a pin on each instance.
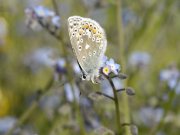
(89, 43)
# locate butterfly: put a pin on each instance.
(88, 40)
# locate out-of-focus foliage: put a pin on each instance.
(29, 58)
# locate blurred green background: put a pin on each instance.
(152, 54)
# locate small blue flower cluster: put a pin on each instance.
(109, 66)
(139, 59)
(41, 16)
(170, 75)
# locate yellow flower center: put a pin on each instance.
(106, 70)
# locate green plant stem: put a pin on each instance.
(70, 77)
(55, 7)
(167, 107)
(23, 118)
(146, 19)
(64, 52)
(124, 99)
(105, 95)
(32, 108)
(116, 102)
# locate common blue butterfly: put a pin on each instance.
(88, 40)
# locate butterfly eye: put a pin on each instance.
(83, 77)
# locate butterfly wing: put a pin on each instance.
(89, 43)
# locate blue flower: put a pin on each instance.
(7, 123)
(43, 12)
(40, 58)
(104, 59)
(171, 76)
(115, 68)
(31, 20)
(69, 89)
(44, 17)
(109, 66)
(150, 116)
(139, 59)
(60, 66)
(56, 21)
